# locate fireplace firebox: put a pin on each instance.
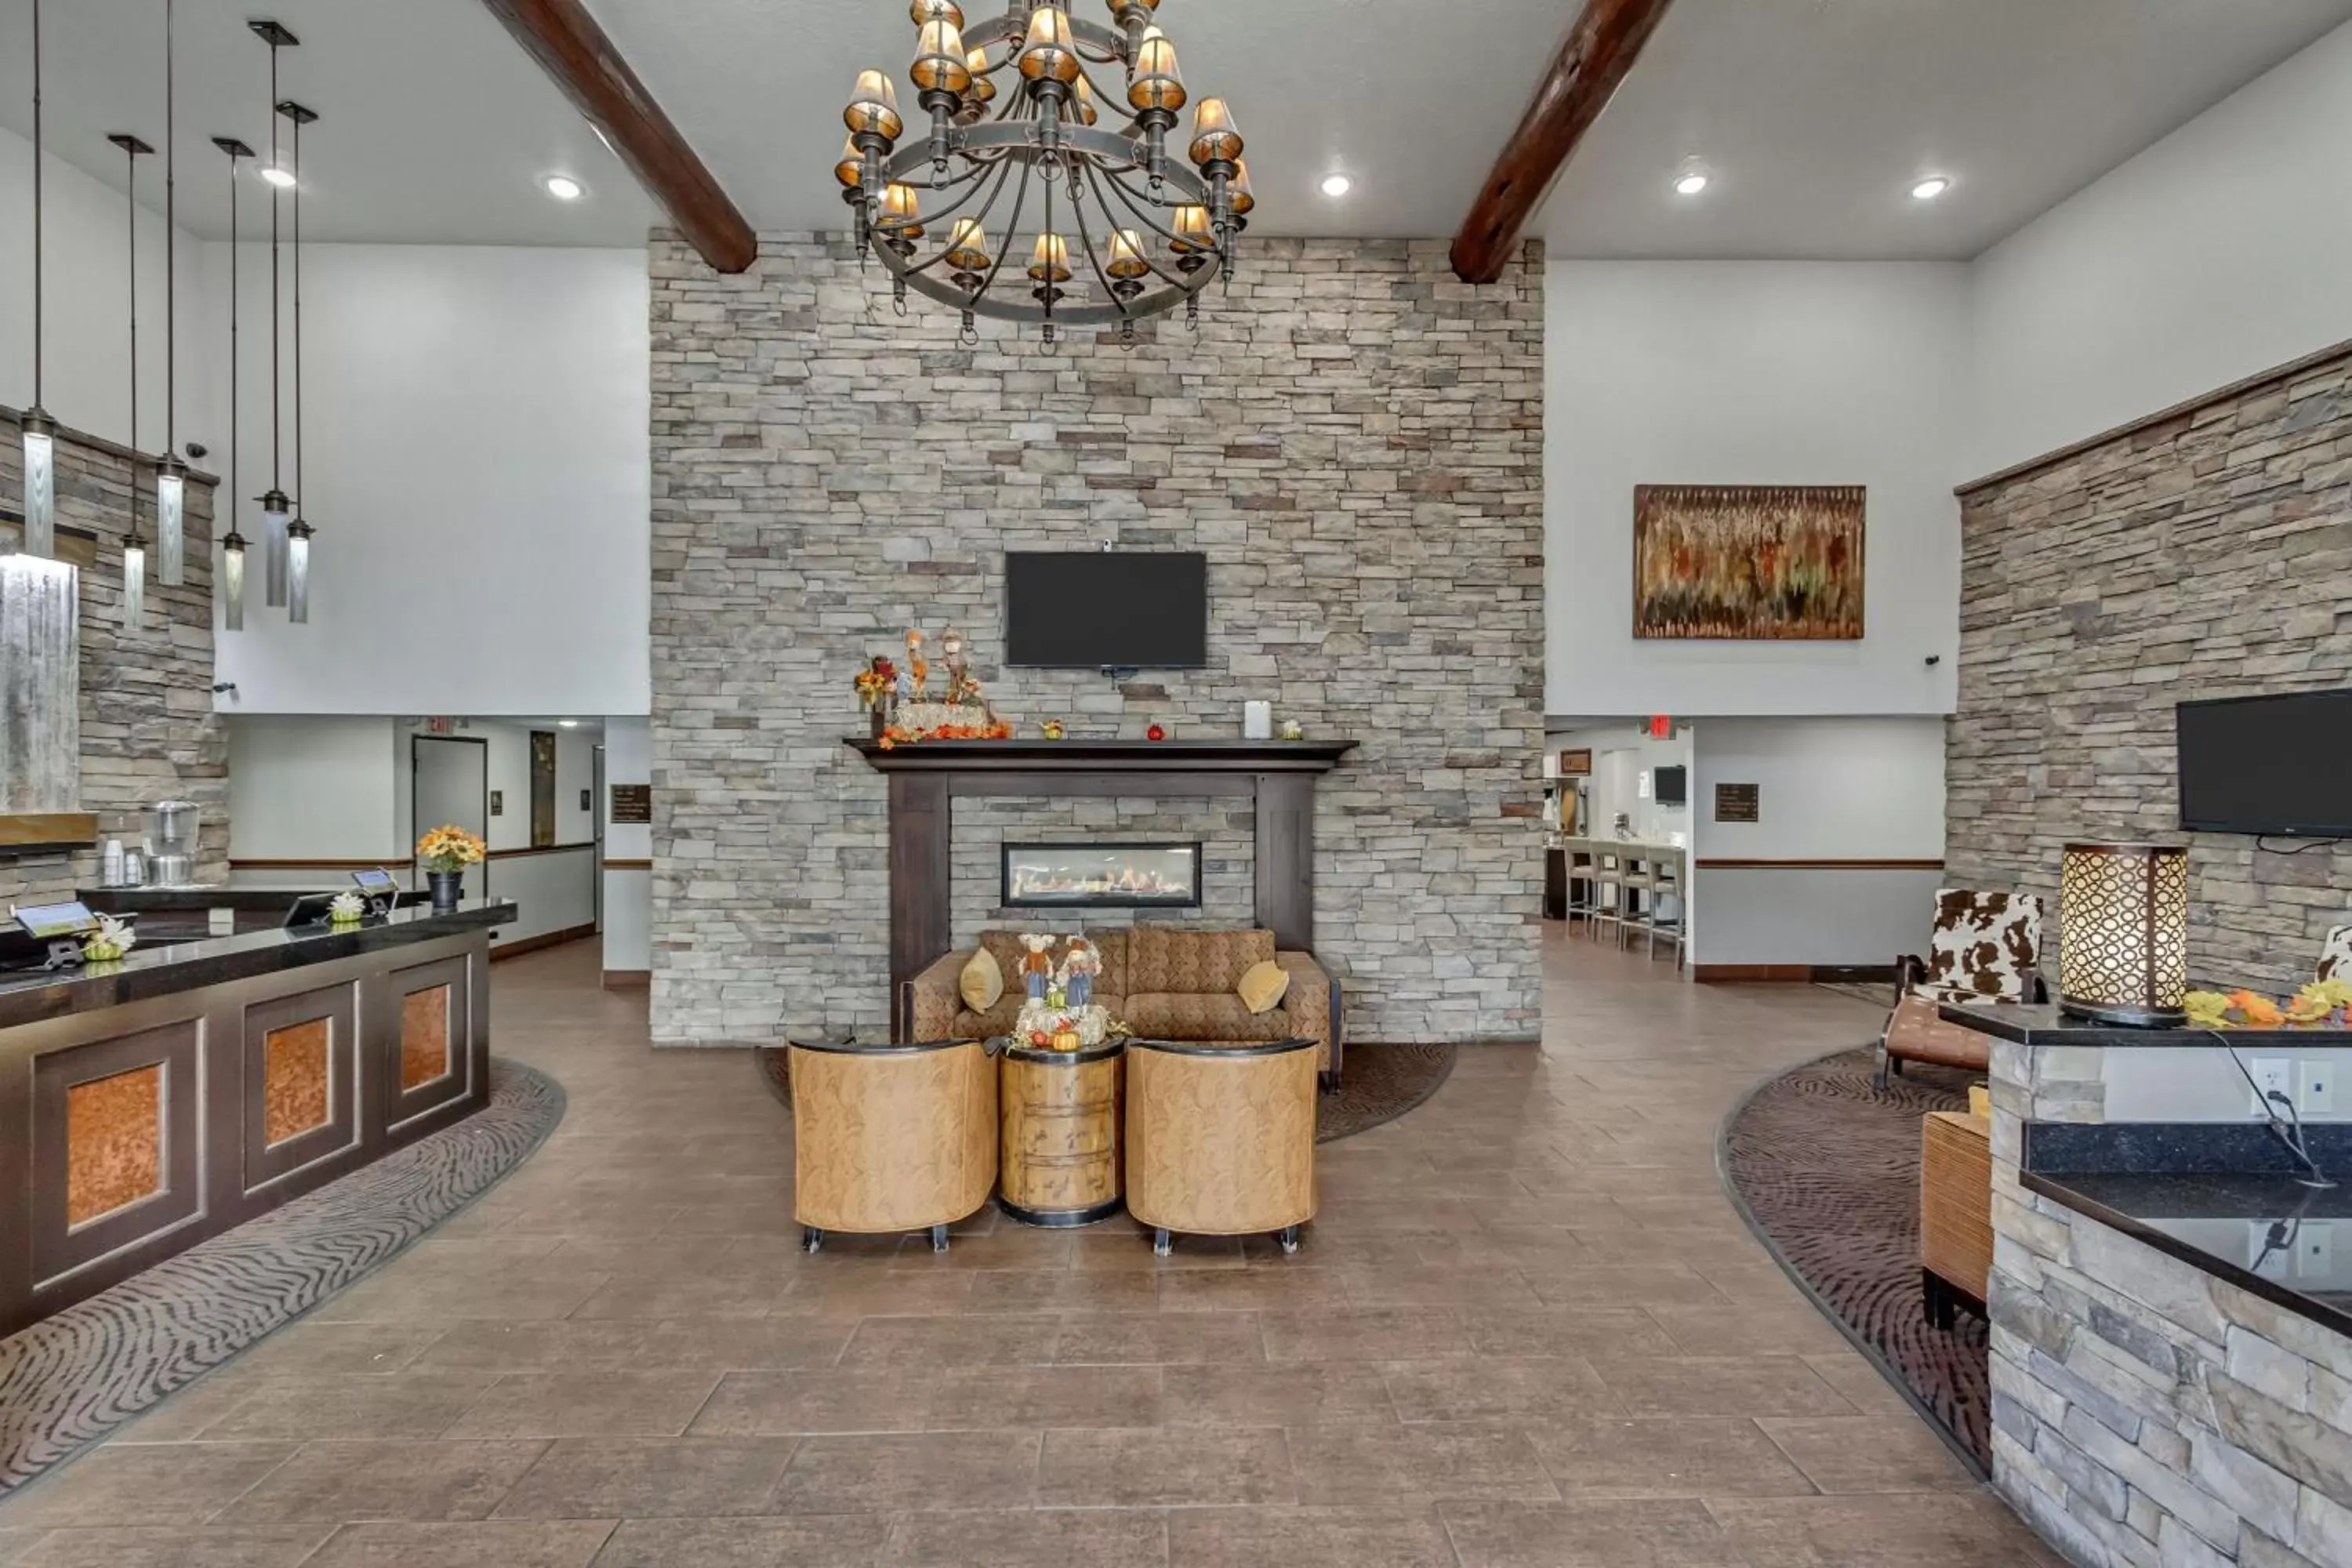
(1101, 875)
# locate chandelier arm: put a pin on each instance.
(1143, 213)
(1086, 239)
(1004, 170)
(1012, 229)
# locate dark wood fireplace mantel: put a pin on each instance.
(926, 777)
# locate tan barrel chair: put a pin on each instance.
(1221, 1139)
(891, 1138)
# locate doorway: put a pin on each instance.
(449, 784)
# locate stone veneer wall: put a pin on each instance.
(2147, 1415)
(2206, 556)
(1353, 437)
(148, 729)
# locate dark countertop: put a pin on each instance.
(2046, 1025)
(141, 900)
(166, 970)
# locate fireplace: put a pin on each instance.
(1102, 876)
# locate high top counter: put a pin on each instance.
(150, 1103)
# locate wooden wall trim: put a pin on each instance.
(2163, 417)
(1818, 865)
(382, 862)
(1793, 974)
(529, 849)
(612, 865)
(545, 938)
(629, 979)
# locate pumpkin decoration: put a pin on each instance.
(1065, 1039)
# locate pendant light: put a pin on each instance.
(229, 586)
(274, 505)
(39, 432)
(298, 532)
(171, 473)
(134, 548)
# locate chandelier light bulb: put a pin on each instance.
(940, 58)
(1049, 261)
(1156, 84)
(1046, 51)
(282, 178)
(873, 106)
(1215, 138)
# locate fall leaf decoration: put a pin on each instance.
(899, 735)
(2322, 1004)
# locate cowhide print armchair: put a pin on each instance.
(2335, 955)
(1985, 950)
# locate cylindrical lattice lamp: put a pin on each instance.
(2123, 911)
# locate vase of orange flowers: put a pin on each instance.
(445, 852)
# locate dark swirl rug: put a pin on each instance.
(1828, 1174)
(1380, 1084)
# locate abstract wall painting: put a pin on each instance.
(1749, 563)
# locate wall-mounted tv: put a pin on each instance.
(2268, 766)
(1106, 610)
(1674, 786)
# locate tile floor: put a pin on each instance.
(1527, 1332)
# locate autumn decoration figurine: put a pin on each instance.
(112, 940)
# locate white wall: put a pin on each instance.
(476, 454)
(1830, 790)
(1753, 373)
(2218, 252)
(318, 789)
(628, 894)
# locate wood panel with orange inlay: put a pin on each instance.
(114, 1142)
(1220, 1143)
(423, 1037)
(892, 1139)
(1059, 1160)
(297, 1075)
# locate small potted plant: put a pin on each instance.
(447, 851)
(875, 684)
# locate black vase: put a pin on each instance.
(449, 888)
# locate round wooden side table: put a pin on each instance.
(891, 1138)
(1060, 1165)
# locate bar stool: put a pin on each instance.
(1608, 894)
(1666, 883)
(1638, 893)
(1582, 889)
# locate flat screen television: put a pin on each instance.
(1672, 786)
(1106, 610)
(2268, 766)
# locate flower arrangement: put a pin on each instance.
(899, 735)
(112, 938)
(875, 680)
(2322, 1004)
(449, 848)
(347, 910)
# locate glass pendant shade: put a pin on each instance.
(1082, 102)
(939, 64)
(135, 582)
(171, 524)
(982, 89)
(968, 246)
(1215, 136)
(1126, 258)
(40, 487)
(1046, 51)
(2123, 931)
(1158, 84)
(230, 589)
(924, 12)
(1237, 189)
(1192, 229)
(298, 572)
(275, 509)
(873, 106)
(1049, 260)
(851, 170)
(899, 214)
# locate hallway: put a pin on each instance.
(1528, 1331)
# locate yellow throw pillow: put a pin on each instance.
(1263, 986)
(981, 984)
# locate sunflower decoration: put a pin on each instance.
(449, 848)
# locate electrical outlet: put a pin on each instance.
(2315, 1087)
(2270, 1073)
(2268, 1253)
(2314, 1250)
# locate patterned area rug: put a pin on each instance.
(1380, 1084)
(69, 1380)
(1830, 1175)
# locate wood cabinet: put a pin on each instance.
(1955, 1212)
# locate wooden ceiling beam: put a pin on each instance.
(581, 59)
(1601, 47)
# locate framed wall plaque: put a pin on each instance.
(1738, 803)
(631, 801)
(1577, 765)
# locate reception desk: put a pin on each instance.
(148, 1104)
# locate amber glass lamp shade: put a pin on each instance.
(924, 12)
(940, 65)
(2123, 914)
(1082, 102)
(900, 215)
(968, 246)
(1126, 258)
(1215, 136)
(851, 170)
(1049, 260)
(1157, 83)
(873, 106)
(976, 63)
(1192, 229)
(1047, 50)
(1237, 189)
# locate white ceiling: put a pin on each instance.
(1813, 116)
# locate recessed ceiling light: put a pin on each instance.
(569, 724)
(282, 178)
(1928, 189)
(1338, 185)
(564, 187)
(1690, 183)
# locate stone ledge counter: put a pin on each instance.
(2171, 1325)
(148, 1104)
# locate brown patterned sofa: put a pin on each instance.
(1985, 950)
(1167, 982)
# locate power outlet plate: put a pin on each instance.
(2270, 1073)
(2270, 1252)
(2314, 1250)
(2315, 1087)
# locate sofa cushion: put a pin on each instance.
(1263, 986)
(1176, 959)
(981, 981)
(1188, 1015)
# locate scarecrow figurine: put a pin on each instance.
(915, 680)
(1037, 965)
(960, 687)
(1079, 967)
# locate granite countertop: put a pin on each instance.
(165, 970)
(2046, 1024)
(133, 901)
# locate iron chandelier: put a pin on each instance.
(1114, 228)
